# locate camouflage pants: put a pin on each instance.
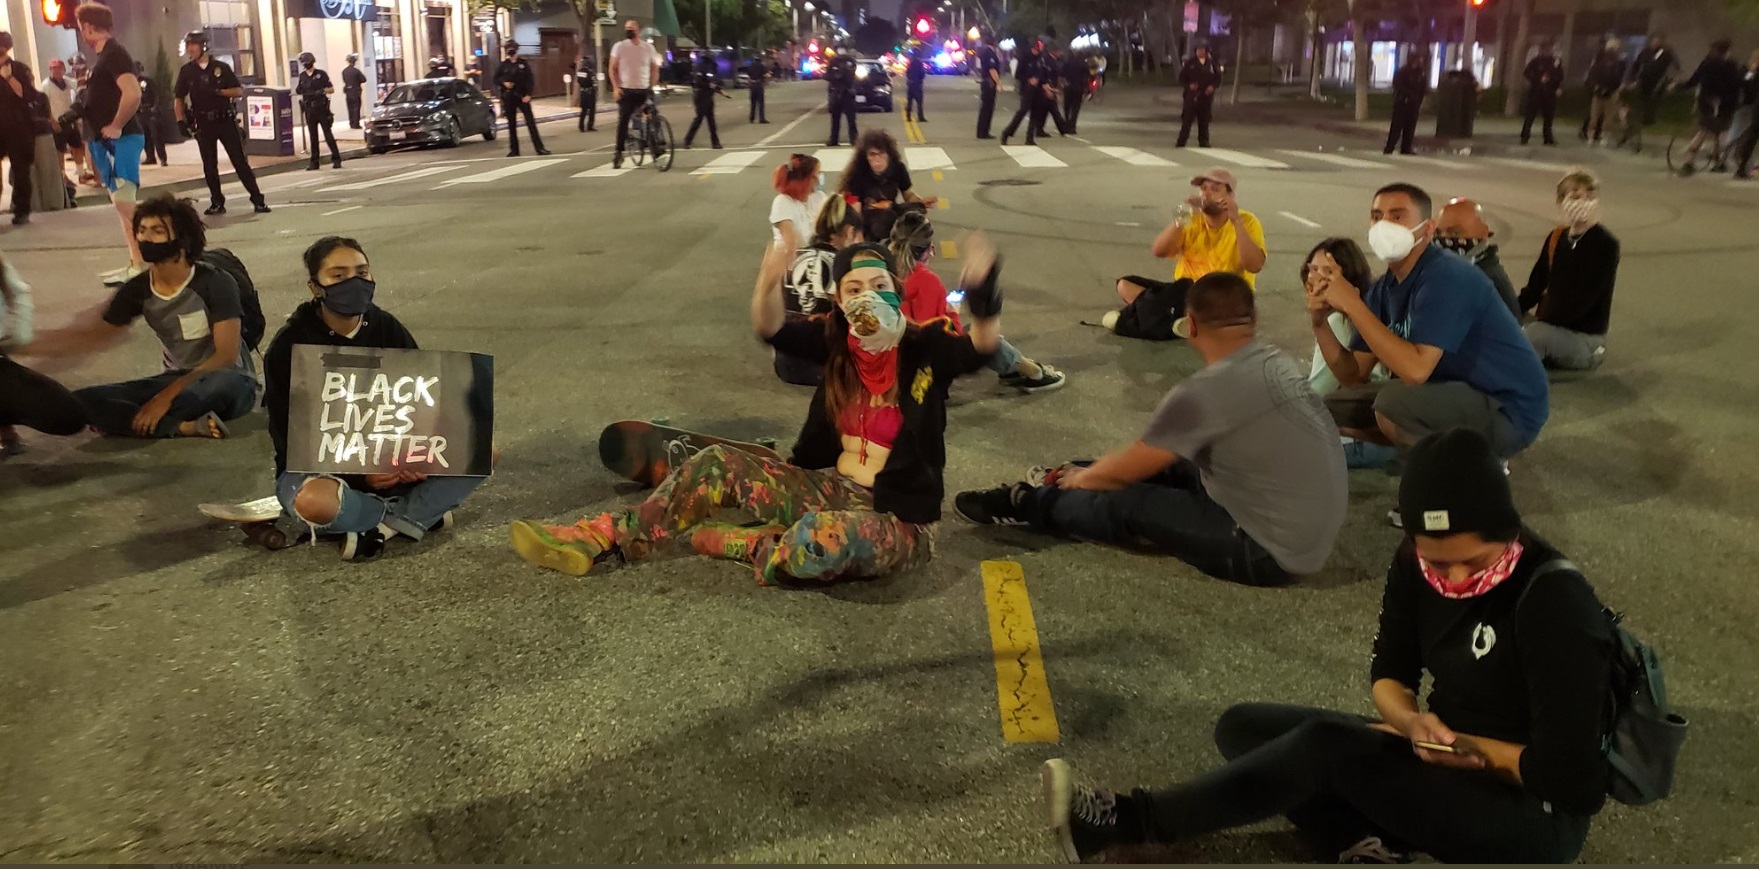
(831, 529)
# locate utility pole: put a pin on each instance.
(1470, 38)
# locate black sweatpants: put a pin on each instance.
(1338, 781)
(36, 401)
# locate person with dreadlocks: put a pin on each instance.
(926, 299)
(862, 492)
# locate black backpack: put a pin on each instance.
(1642, 743)
(252, 324)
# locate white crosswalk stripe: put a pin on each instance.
(1338, 159)
(406, 176)
(606, 171)
(731, 164)
(1241, 158)
(1133, 156)
(1521, 163)
(1458, 164)
(923, 159)
(494, 175)
(1032, 157)
(831, 157)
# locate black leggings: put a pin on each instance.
(1339, 781)
(36, 401)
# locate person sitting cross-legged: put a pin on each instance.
(365, 510)
(1210, 234)
(1572, 281)
(1238, 473)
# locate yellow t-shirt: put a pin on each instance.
(1210, 249)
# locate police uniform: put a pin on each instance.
(913, 76)
(1410, 86)
(759, 72)
(1200, 78)
(840, 92)
(151, 126)
(1028, 79)
(1544, 74)
(705, 85)
(215, 120)
(353, 83)
(1076, 75)
(989, 71)
(586, 82)
(514, 82)
(1047, 92)
(313, 89)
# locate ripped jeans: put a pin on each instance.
(408, 510)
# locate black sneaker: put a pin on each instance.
(999, 506)
(1084, 820)
(1048, 379)
(1372, 850)
(260, 208)
(362, 546)
(214, 209)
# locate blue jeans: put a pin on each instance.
(409, 510)
(1006, 359)
(1169, 512)
(111, 407)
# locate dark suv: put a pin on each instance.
(873, 86)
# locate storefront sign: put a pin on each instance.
(336, 10)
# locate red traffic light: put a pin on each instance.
(1477, 4)
(923, 27)
(813, 48)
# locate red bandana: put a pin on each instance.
(1478, 583)
(879, 371)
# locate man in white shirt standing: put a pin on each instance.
(635, 66)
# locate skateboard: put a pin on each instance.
(646, 451)
(260, 520)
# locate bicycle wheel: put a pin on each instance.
(662, 144)
(638, 141)
(1676, 150)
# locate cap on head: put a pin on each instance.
(1454, 484)
(860, 256)
(1218, 175)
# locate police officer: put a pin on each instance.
(514, 78)
(840, 92)
(1029, 78)
(989, 82)
(1052, 63)
(1076, 76)
(705, 85)
(1545, 80)
(209, 86)
(18, 93)
(314, 89)
(1410, 86)
(1200, 76)
(760, 75)
(913, 76)
(353, 82)
(586, 83)
(152, 126)
(439, 67)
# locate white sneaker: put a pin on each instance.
(1394, 519)
(1372, 850)
(123, 275)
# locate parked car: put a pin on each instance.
(873, 86)
(433, 111)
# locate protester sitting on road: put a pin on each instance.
(1238, 473)
(1520, 659)
(1572, 281)
(195, 309)
(366, 510)
(27, 398)
(1210, 234)
(799, 195)
(1329, 257)
(807, 288)
(926, 299)
(1458, 355)
(878, 183)
(861, 494)
(1460, 228)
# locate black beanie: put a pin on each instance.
(1455, 484)
(845, 261)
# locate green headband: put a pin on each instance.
(868, 264)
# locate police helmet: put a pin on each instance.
(509, 45)
(196, 37)
(352, 57)
(306, 58)
(434, 63)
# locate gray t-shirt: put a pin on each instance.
(184, 322)
(1268, 450)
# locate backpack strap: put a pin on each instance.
(1556, 565)
(1551, 250)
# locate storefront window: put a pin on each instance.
(439, 21)
(387, 36)
(232, 36)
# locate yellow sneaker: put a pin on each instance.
(570, 549)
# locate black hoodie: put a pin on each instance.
(306, 326)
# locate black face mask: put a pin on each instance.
(350, 297)
(630, 34)
(159, 251)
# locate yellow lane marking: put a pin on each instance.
(938, 176)
(949, 250)
(1022, 692)
(942, 203)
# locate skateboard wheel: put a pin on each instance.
(661, 420)
(767, 443)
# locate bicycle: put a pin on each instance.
(1709, 156)
(650, 132)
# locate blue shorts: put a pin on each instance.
(118, 159)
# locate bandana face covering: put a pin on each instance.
(876, 323)
(1470, 248)
(1479, 582)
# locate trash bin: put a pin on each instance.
(267, 118)
(1456, 106)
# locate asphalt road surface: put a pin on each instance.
(171, 694)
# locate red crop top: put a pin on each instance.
(875, 425)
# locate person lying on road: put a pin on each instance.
(28, 398)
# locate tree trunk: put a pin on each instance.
(1317, 48)
(1239, 26)
(1359, 43)
(1514, 80)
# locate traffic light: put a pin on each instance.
(923, 27)
(1477, 4)
(59, 13)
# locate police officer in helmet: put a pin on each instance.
(314, 90)
(353, 82)
(515, 83)
(1200, 76)
(705, 85)
(840, 93)
(202, 103)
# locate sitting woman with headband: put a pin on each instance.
(862, 492)
(926, 299)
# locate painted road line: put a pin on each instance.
(1022, 691)
(393, 179)
(834, 158)
(494, 175)
(949, 250)
(295, 185)
(1133, 156)
(339, 211)
(731, 163)
(936, 174)
(1299, 219)
(605, 171)
(1033, 157)
(1519, 163)
(1463, 163)
(1241, 158)
(1338, 159)
(787, 128)
(926, 158)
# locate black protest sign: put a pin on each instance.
(367, 410)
